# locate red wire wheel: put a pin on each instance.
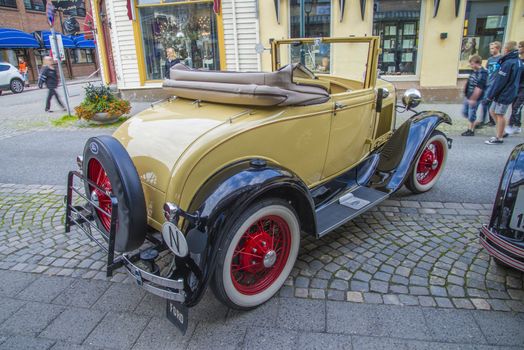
(257, 253)
(430, 162)
(429, 165)
(260, 255)
(98, 175)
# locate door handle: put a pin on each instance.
(339, 105)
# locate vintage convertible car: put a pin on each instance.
(503, 237)
(215, 185)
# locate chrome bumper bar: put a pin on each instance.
(163, 287)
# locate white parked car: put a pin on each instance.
(10, 78)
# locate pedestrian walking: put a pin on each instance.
(170, 62)
(504, 89)
(22, 69)
(492, 67)
(473, 92)
(516, 110)
(50, 77)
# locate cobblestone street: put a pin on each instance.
(409, 274)
(420, 259)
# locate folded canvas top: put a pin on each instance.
(245, 88)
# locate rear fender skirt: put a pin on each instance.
(402, 150)
(225, 196)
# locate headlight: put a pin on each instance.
(411, 98)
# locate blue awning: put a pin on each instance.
(16, 39)
(82, 43)
(66, 40)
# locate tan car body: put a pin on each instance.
(177, 145)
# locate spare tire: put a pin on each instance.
(107, 163)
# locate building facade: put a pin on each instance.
(29, 16)
(425, 43)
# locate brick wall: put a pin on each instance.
(30, 21)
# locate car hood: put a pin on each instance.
(157, 137)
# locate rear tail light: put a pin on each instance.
(170, 211)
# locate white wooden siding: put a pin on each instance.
(241, 23)
(123, 44)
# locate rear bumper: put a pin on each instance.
(82, 215)
(171, 289)
(501, 249)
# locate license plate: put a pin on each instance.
(178, 315)
(517, 217)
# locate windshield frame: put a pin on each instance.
(372, 59)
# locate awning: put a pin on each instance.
(66, 40)
(82, 43)
(16, 39)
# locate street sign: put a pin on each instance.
(57, 52)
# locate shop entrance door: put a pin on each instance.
(107, 42)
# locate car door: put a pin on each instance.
(4, 75)
(352, 125)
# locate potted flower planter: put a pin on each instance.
(101, 106)
(103, 118)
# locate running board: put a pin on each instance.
(347, 207)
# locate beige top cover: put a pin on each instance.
(245, 88)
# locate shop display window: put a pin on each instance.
(397, 24)
(82, 56)
(485, 22)
(311, 19)
(190, 29)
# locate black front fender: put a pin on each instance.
(404, 147)
(225, 196)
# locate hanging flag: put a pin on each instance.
(342, 5)
(89, 26)
(362, 8)
(50, 11)
(436, 4)
(130, 10)
(457, 8)
(277, 10)
(216, 6)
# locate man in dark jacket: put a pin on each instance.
(170, 62)
(504, 89)
(50, 76)
(516, 107)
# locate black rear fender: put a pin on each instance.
(226, 195)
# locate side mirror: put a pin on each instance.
(259, 48)
(411, 98)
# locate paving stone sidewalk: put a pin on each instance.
(401, 253)
(50, 312)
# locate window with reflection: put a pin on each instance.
(311, 19)
(34, 5)
(397, 23)
(189, 29)
(485, 22)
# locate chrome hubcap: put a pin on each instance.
(94, 198)
(270, 258)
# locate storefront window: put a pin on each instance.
(12, 56)
(484, 23)
(397, 24)
(82, 56)
(311, 19)
(190, 29)
(39, 56)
